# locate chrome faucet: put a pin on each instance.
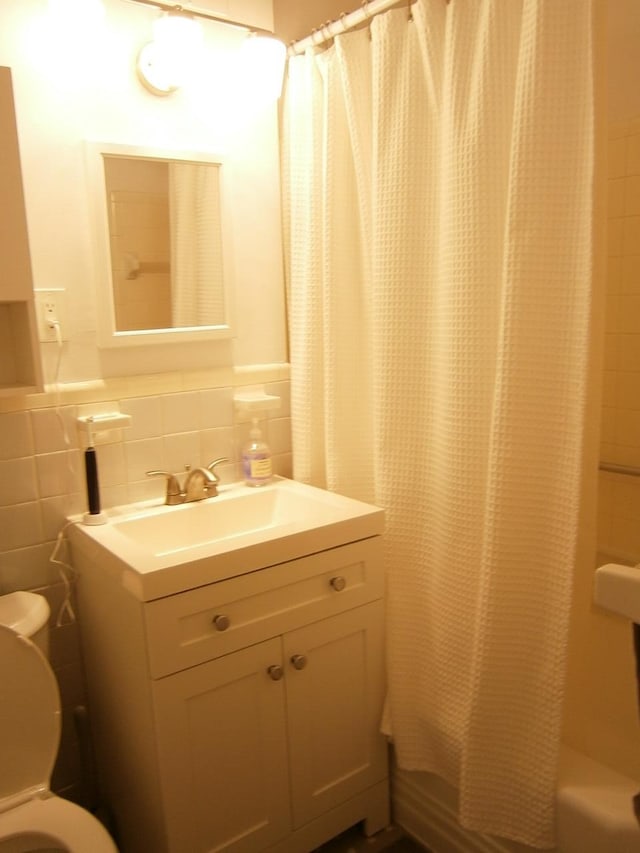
(199, 483)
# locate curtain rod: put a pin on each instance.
(346, 21)
(176, 7)
(613, 468)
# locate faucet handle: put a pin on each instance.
(211, 466)
(174, 493)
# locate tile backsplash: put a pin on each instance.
(180, 421)
(619, 494)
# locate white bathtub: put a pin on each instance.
(595, 810)
(594, 814)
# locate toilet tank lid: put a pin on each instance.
(24, 612)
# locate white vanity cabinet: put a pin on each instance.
(241, 715)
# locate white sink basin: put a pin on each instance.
(617, 589)
(161, 550)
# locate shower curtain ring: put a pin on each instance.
(365, 8)
(343, 20)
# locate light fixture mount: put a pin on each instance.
(152, 71)
(163, 65)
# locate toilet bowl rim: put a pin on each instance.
(60, 820)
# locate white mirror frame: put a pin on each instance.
(108, 335)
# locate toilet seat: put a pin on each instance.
(30, 723)
(29, 717)
(65, 823)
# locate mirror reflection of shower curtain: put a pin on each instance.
(197, 299)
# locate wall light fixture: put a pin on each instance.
(166, 63)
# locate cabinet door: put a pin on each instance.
(222, 750)
(335, 705)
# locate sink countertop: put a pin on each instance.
(319, 520)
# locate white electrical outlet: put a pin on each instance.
(51, 309)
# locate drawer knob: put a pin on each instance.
(275, 672)
(299, 661)
(338, 583)
(221, 622)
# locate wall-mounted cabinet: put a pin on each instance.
(20, 367)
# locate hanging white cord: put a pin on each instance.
(66, 614)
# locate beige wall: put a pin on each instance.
(295, 19)
(602, 706)
(70, 88)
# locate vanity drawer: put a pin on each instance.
(195, 626)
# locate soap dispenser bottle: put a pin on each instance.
(256, 458)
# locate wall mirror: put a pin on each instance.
(162, 245)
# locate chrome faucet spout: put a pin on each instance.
(200, 483)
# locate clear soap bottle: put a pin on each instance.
(256, 458)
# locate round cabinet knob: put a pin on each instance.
(221, 622)
(299, 661)
(338, 583)
(275, 672)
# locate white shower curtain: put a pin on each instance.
(439, 178)
(197, 295)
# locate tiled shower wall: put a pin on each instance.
(619, 495)
(175, 421)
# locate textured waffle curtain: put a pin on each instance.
(439, 182)
(197, 297)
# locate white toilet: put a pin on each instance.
(31, 817)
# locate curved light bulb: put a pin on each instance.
(167, 63)
(178, 31)
(262, 60)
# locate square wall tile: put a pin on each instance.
(54, 429)
(16, 436)
(616, 197)
(114, 496)
(181, 450)
(628, 390)
(180, 412)
(57, 509)
(18, 482)
(280, 435)
(283, 390)
(617, 156)
(20, 526)
(27, 568)
(632, 197)
(142, 456)
(630, 276)
(615, 236)
(630, 235)
(59, 473)
(146, 417)
(217, 443)
(629, 313)
(216, 407)
(632, 166)
(629, 352)
(112, 468)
